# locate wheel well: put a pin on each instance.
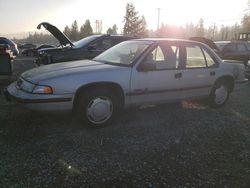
(229, 80)
(106, 85)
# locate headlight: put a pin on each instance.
(24, 85)
(42, 89)
(42, 53)
(33, 88)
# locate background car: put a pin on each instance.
(132, 73)
(234, 50)
(34, 51)
(86, 48)
(5, 65)
(13, 46)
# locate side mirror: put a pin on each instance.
(144, 67)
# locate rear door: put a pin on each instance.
(200, 70)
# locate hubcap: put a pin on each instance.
(221, 95)
(99, 110)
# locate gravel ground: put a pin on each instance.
(186, 144)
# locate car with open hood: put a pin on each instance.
(132, 73)
(86, 48)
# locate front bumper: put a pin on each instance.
(240, 84)
(247, 72)
(39, 102)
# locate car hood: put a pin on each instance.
(63, 39)
(61, 69)
(206, 41)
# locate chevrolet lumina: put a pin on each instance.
(132, 73)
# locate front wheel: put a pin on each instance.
(96, 107)
(219, 94)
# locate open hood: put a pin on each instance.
(206, 41)
(63, 39)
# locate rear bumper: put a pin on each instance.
(39, 102)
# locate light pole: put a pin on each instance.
(158, 20)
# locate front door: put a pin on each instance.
(161, 82)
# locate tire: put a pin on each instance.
(219, 94)
(96, 107)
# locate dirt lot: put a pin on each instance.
(176, 145)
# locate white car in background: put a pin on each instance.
(132, 73)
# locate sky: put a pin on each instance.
(24, 15)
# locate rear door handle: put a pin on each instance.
(212, 73)
(178, 75)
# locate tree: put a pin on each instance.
(142, 27)
(200, 31)
(112, 31)
(67, 31)
(86, 29)
(109, 31)
(134, 25)
(74, 34)
(245, 22)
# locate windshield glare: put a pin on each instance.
(85, 41)
(123, 53)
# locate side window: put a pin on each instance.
(195, 57)
(158, 55)
(241, 47)
(102, 44)
(3, 41)
(210, 61)
(230, 48)
(164, 57)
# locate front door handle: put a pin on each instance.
(212, 73)
(178, 75)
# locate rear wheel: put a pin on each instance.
(219, 94)
(97, 107)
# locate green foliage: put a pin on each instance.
(74, 31)
(86, 29)
(112, 31)
(245, 22)
(67, 31)
(134, 25)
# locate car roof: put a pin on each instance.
(227, 42)
(167, 39)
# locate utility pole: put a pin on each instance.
(158, 20)
(213, 31)
(98, 26)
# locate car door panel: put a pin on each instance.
(159, 85)
(198, 76)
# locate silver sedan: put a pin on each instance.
(132, 73)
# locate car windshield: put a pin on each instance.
(124, 53)
(85, 41)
